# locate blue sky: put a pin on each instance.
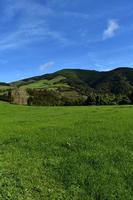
(42, 36)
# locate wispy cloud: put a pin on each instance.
(44, 66)
(28, 34)
(111, 29)
(31, 25)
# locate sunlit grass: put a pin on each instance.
(71, 153)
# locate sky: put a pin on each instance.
(43, 36)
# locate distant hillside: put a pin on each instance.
(117, 81)
(72, 87)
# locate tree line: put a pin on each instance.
(55, 98)
(44, 97)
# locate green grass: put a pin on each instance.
(47, 84)
(66, 153)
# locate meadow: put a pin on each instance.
(66, 153)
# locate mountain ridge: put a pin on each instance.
(73, 69)
(118, 80)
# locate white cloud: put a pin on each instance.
(46, 65)
(111, 29)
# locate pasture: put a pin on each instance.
(66, 153)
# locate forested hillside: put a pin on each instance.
(75, 87)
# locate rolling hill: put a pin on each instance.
(119, 80)
(72, 87)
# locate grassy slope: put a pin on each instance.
(48, 84)
(66, 153)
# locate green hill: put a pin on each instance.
(117, 81)
(72, 87)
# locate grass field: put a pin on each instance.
(66, 153)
